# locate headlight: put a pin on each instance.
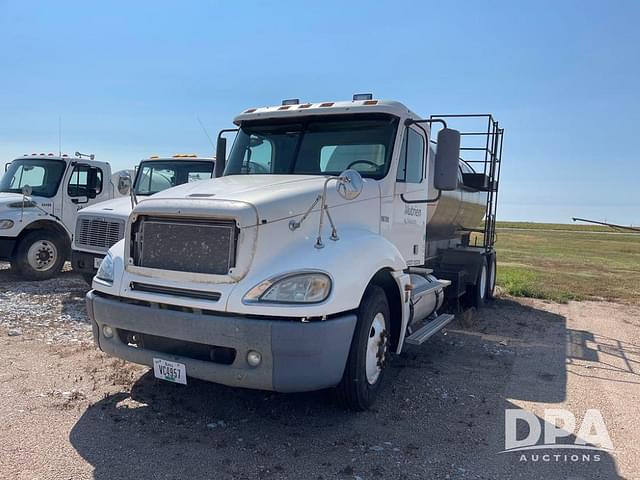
(105, 272)
(304, 287)
(4, 224)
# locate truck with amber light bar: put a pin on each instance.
(98, 227)
(334, 234)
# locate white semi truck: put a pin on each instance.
(98, 227)
(40, 196)
(334, 236)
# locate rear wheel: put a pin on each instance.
(491, 282)
(365, 367)
(40, 255)
(477, 293)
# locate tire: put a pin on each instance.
(491, 281)
(88, 278)
(364, 372)
(40, 255)
(477, 293)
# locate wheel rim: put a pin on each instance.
(376, 348)
(483, 281)
(42, 255)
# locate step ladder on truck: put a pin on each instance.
(334, 234)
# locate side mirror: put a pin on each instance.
(27, 190)
(221, 156)
(447, 157)
(92, 182)
(124, 184)
(349, 184)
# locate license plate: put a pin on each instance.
(170, 371)
(97, 261)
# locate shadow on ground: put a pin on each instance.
(441, 415)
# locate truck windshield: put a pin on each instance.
(315, 146)
(155, 176)
(43, 175)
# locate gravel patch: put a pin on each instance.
(52, 311)
(69, 411)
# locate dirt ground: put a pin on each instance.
(69, 412)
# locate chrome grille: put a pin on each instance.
(185, 245)
(98, 233)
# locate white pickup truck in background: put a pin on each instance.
(100, 226)
(40, 196)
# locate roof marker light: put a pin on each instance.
(304, 105)
(251, 110)
(291, 101)
(362, 96)
(284, 107)
(370, 102)
(327, 104)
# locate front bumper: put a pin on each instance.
(7, 247)
(83, 262)
(296, 356)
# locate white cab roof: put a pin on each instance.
(326, 108)
(173, 158)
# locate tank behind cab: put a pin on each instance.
(472, 205)
(455, 211)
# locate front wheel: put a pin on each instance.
(365, 367)
(40, 255)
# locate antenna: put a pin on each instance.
(59, 136)
(206, 133)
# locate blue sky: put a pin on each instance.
(130, 79)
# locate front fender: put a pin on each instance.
(23, 221)
(351, 262)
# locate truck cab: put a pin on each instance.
(98, 227)
(40, 197)
(335, 236)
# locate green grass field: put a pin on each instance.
(568, 262)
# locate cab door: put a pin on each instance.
(409, 219)
(84, 185)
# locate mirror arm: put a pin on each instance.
(221, 162)
(323, 209)
(133, 197)
(296, 224)
(411, 121)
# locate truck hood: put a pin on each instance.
(8, 198)
(116, 207)
(275, 197)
